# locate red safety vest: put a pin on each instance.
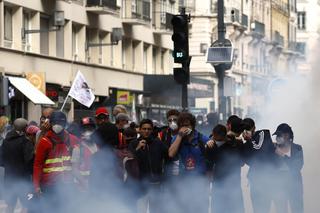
(53, 159)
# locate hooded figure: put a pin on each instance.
(17, 160)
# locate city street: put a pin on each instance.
(159, 106)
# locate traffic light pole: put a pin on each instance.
(184, 86)
(184, 100)
(220, 69)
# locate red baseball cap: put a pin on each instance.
(102, 110)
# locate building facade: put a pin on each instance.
(308, 26)
(263, 34)
(83, 43)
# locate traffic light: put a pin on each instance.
(4, 94)
(181, 75)
(180, 38)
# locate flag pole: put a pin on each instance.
(64, 103)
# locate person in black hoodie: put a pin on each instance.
(259, 155)
(224, 151)
(151, 153)
(288, 181)
(17, 158)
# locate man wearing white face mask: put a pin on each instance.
(288, 181)
(52, 174)
(166, 135)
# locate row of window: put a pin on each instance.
(128, 54)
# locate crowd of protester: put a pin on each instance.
(96, 165)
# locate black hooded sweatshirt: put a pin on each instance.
(17, 157)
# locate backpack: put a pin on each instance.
(127, 164)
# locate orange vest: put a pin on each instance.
(57, 166)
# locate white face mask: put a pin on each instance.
(126, 126)
(57, 128)
(280, 140)
(86, 135)
(173, 125)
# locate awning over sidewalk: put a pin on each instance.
(31, 92)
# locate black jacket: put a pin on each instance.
(294, 162)
(259, 155)
(17, 156)
(151, 159)
(227, 162)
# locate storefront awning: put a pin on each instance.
(31, 92)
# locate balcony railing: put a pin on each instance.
(102, 3)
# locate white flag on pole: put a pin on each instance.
(81, 91)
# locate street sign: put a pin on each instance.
(218, 55)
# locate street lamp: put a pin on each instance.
(58, 22)
(116, 36)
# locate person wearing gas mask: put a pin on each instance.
(150, 153)
(17, 160)
(52, 173)
(288, 180)
(189, 146)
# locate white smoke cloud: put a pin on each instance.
(297, 102)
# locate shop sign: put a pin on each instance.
(38, 80)
(123, 97)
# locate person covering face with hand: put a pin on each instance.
(189, 144)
